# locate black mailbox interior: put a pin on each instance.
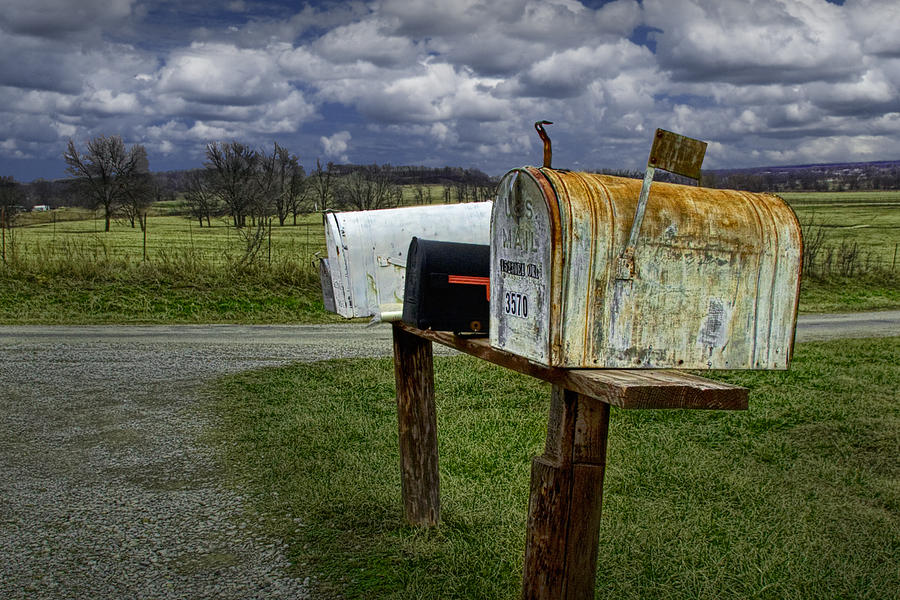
(447, 286)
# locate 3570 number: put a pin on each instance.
(516, 304)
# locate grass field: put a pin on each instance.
(798, 497)
(61, 267)
(870, 219)
(74, 272)
(166, 236)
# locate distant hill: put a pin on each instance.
(874, 175)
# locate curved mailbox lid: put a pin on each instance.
(716, 279)
(367, 249)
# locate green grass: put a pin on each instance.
(799, 497)
(72, 272)
(157, 300)
(850, 294)
(832, 198)
(870, 219)
(63, 268)
(166, 236)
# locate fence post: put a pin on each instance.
(3, 231)
(894, 264)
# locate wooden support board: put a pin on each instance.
(567, 480)
(565, 500)
(624, 388)
(417, 422)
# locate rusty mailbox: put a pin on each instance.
(711, 281)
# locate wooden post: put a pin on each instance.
(417, 419)
(566, 496)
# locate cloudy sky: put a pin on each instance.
(451, 82)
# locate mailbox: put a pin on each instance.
(447, 286)
(366, 265)
(712, 281)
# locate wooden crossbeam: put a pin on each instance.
(623, 388)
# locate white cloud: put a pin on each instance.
(365, 41)
(110, 103)
(221, 74)
(754, 42)
(568, 72)
(203, 132)
(871, 20)
(336, 145)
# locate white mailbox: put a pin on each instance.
(713, 282)
(366, 265)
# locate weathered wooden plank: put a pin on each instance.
(619, 387)
(561, 427)
(545, 541)
(417, 421)
(591, 431)
(583, 540)
(566, 497)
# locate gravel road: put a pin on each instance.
(106, 490)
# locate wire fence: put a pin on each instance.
(168, 244)
(75, 246)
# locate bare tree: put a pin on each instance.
(486, 191)
(322, 186)
(232, 170)
(367, 189)
(461, 190)
(201, 200)
(419, 194)
(141, 191)
(106, 171)
(11, 198)
(268, 187)
(289, 175)
(296, 192)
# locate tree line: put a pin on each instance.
(246, 184)
(239, 182)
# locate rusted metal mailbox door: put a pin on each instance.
(714, 284)
(366, 265)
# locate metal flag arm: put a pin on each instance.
(671, 152)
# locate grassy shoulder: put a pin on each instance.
(850, 294)
(187, 294)
(796, 497)
(148, 295)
